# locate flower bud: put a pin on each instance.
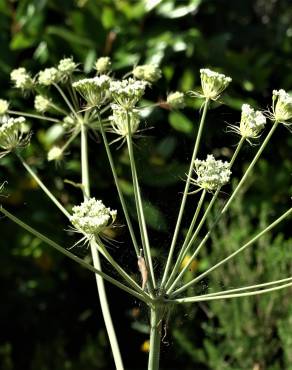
(176, 100)
(4, 105)
(49, 76)
(127, 93)
(211, 173)
(41, 103)
(55, 154)
(213, 83)
(66, 67)
(282, 106)
(119, 120)
(103, 64)
(93, 90)
(21, 79)
(147, 72)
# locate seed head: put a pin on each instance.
(55, 154)
(211, 173)
(103, 64)
(147, 72)
(282, 106)
(41, 103)
(49, 76)
(119, 120)
(4, 105)
(12, 134)
(176, 100)
(127, 93)
(21, 79)
(92, 217)
(94, 90)
(213, 83)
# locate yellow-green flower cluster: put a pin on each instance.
(127, 93)
(4, 105)
(176, 100)
(213, 83)
(41, 103)
(21, 79)
(49, 76)
(94, 90)
(11, 134)
(282, 106)
(102, 64)
(147, 72)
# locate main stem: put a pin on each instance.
(185, 194)
(96, 260)
(155, 338)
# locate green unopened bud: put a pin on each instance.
(55, 154)
(41, 103)
(103, 64)
(176, 100)
(213, 83)
(49, 76)
(21, 79)
(282, 106)
(147, 72)
(4, 105)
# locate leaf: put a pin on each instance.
(154, 217)
(180, 122)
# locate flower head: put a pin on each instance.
(93, 90)
(4, 105)
(21, 79)
(213, 83)
(127, 93)
(49, 76)
(282, 106)
(66, 67)
(147, 72)
(55, 154)
(12, 134)
(92, 217)
(41, 103)
(119, 120)
(176, 100)
(211, 173)
(252, 122)
(103, 64)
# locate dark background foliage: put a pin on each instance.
(49, 314)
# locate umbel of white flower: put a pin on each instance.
(66, 67)
(282, 106)
(211, 173)
(176, 100)
(213, 83)
(41, 103)
(147, 72)
(102, 64)
(119, 120)
(21, 79)
(11, 134)
(55, 154)
(49, 76)
(93, 90)
(4, 105)
(92, 217)
(127, 93)
(252, 122)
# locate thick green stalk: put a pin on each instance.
(43, 187)
(185, 194)
(140, 211)
(96, 260)
(120, 193)
(155, 338)
(253, 240)
(71, 255)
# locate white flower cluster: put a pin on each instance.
(55, 154)
(282, 106)
(252, 122)
(11, 134)
(211, 173)
(213, 83)
(176, 100)
(66, 66)
(119, 120)
(147, 72)
(4, 105)
(127, 93)
(102, 64)
(21, 79)
(93, 90)
(92, 217)
(41, 103)
(49, 76)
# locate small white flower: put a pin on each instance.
(49, 76)
(103, 64)
(92, 217)
(211, 173)
(12, 134)
(21, 79)
(55, 154)
(119, 120)
(41, 103)
(176, 100)
(94, 90)
(128, 92)
(147, 72)
(282, 106)
(67, 66)
(4, 105)
(69, 123)
(213, 83)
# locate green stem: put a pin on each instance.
(70, 255)
(140, 211)
(122, 200)
(155, 338)
(237, 150)
(186, 190)
(95, 257)
(58, 109)
(66, 100)
(31, 115)
(253, 240)
(71, 138)
(43, 187)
